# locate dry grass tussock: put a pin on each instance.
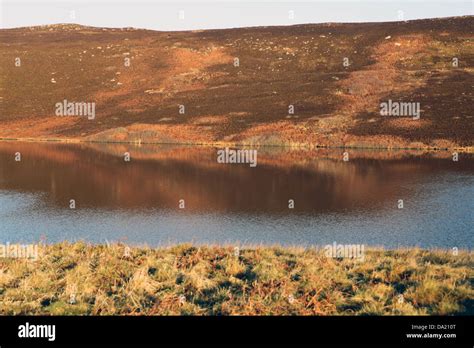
(82, 279)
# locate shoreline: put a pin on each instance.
(303, 146)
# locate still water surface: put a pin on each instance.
(138, 202)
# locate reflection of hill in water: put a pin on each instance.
(157, 177)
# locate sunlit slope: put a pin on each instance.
(238, 85)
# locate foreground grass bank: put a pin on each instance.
(82, 279)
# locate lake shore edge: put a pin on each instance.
(303, 146)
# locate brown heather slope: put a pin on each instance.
(300, 65)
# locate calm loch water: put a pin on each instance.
(138, 202)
